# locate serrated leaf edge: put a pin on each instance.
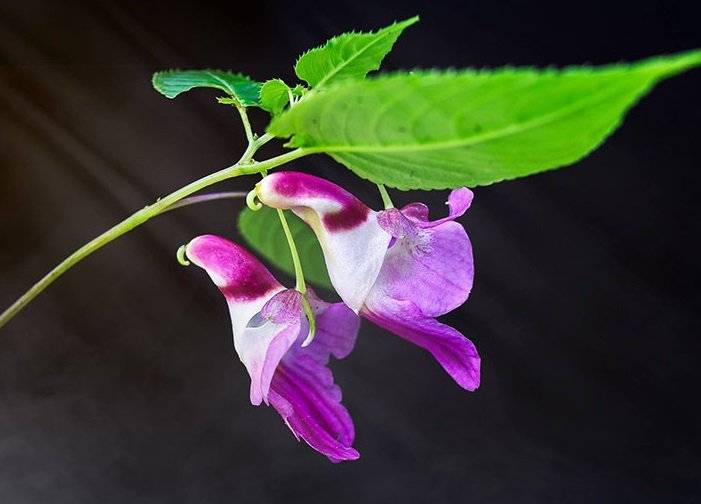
(397, 25)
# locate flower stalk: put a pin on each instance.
(386, 200)
(300, 284)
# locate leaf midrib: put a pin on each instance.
(223, 82)
(472, 140)
(355, 56)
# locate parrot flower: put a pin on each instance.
(269, 325)
(394, 267)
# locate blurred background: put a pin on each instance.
(120, 383)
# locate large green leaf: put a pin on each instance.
(263, 232)
(433, 130)
(350, 55)
(173, 82)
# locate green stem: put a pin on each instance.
(253, 148)
(243, 167)
(385, 196)
(246, 124)
(299, 274)
(300, 286)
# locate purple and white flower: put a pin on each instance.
(394, 267)
(269, 325)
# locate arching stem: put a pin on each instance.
(243, 167)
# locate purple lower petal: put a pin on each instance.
(303, 390)
(336, 330)
(452, 350)
(304, 394)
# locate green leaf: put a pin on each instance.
(350, 55)
(173, 82)
(433, 130)
(263, 232)
(274, 96)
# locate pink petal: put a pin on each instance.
(430, 266)
(459, 201)
(237, 272)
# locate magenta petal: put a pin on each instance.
(238, 274)
(452, 350)
(337, 209)
(303, 391)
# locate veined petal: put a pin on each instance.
(337, 329)
(303, 391)
(429, 266)
(303, 396)
(452, 350)
(352, 241)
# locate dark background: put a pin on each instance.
(120, 384)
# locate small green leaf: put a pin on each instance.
(274, 96)
(239, 87)
(263, 232)
(350, 55)
(433, 130)
(299, 90)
